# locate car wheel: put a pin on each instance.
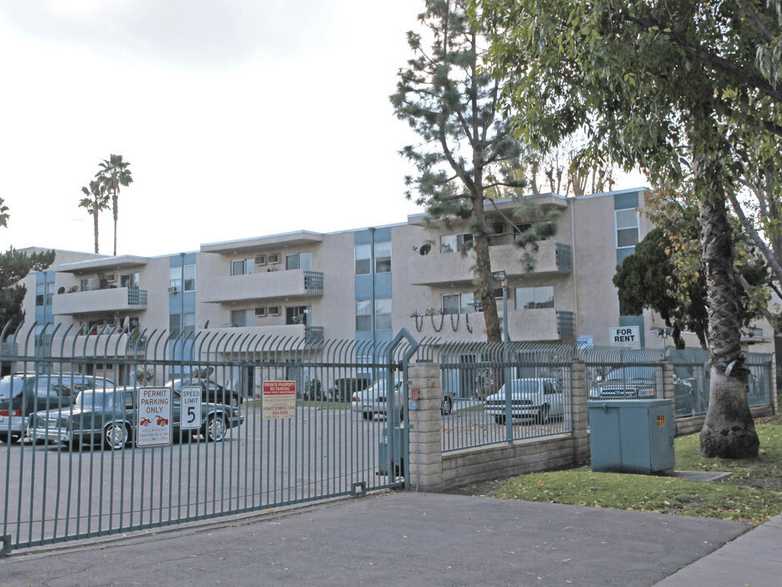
(367, 415)
(15, 438)
(446, 406)
(215, 429)
(115, 436)
(499, 420)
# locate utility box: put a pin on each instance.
(632, 436)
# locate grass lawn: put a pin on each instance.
(752, 493)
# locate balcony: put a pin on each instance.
(438, 269)
(266, 285)
(247, 338)
(541, 325)
(97, 301)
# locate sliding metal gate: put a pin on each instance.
(70, 416)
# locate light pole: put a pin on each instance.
(501, 277)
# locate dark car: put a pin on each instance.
(23, 394)
(211, 391)
(343, 389)
(625, 382)
(108, 418)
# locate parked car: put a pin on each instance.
(372, 400)
(343, 389)
(23, 394)
(108, 418)
(533, 399)
(625, 382)
(211, 391)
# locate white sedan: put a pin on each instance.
(537, 400)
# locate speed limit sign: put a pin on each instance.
(190, 415)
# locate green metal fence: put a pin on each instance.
(99, 437)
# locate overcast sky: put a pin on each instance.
(239, 117)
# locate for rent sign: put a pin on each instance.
(628, 336)
(279, 399)
(154, 417)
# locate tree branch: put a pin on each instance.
(771, 259)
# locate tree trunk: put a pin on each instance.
(483, 275)
(728, 430)
(95, 229)
(115, 210)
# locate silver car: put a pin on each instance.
(372, 400)
(537, 400)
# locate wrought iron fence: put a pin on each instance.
(494, 393)
(95, 440)
(613, 373)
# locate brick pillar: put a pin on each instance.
(426, 457)
(669, 389)
(578, 406)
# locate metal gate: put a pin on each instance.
(75, 427)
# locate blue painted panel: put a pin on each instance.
(363, 237)
(364, 286)
(624, 201)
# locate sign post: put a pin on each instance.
(279, 399)
(190, 415)
(626, 336)
(154, 417)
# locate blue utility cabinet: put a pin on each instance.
(632, 436)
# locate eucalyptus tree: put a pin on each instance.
(114, 174)
(95, 200)
(467, 155)
(656, 83)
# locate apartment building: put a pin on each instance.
(314, 286)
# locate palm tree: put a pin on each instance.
(95, 201)
(114, 172)
(3, 213)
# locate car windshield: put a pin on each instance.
(96, 400)
(629, 373)
(9, 385)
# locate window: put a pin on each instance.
(451, 303)
(130, 279)
(468, 302)
(626, 228)
(238, 318)
(260, 260)
(190, 277)
(39, 300)
(382, 258)
(175, 278)
(274, 310)
(382, 315)
(273, 259)
(240, 267)
(298, 261)
(451, 243)
(174, 323)
(296, 314)
(534, 298)
(260, 312)
(84, 284)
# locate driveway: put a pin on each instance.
(396, 539)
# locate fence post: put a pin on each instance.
(426, 456)
(578, 402)
(772, 366)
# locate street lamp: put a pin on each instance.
(501, 277)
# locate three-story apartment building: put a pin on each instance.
(313, 286)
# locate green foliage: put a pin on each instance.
(4, 215)
(95, 199)
(14, 267)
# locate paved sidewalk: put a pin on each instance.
(396, 539)
(754, 559)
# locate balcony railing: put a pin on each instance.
(137, 296)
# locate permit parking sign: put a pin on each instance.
(154, 417)
(279, 399)
(190, 413)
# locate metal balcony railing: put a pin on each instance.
(137, 296)
(313, 282)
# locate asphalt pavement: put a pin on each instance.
(396, 539)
